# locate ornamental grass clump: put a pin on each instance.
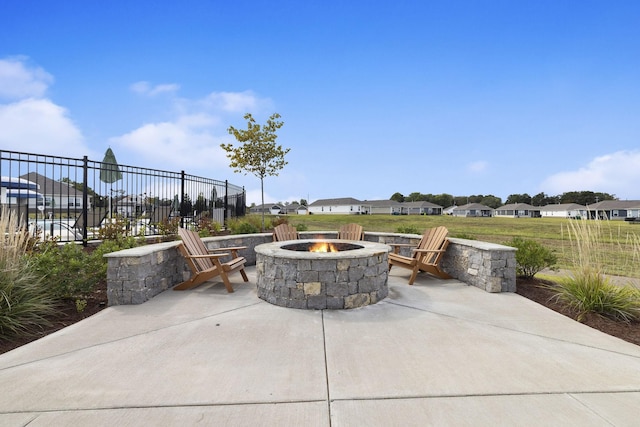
(25, 303)
(587, 289)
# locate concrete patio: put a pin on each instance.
(436, 353)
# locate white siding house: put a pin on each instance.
(267, 208)
(342, 206)
(564, 210)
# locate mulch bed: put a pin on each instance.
(533, 289)
(536, 290)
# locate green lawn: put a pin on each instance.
(618, 253)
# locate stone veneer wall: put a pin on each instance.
(138, 274)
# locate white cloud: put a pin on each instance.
(185, 143)
(616, 173)
(191, 139)
(234, 102)
(19, 81)
(478, 166)
(145, 88)
(40, 126)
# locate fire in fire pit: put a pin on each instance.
(321, 246)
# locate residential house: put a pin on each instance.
(58, 195)
(267, 208)
(421, 208)
(517, 210)
(344, 206)
(564, 210)
(473, 210)
(294, 208)
(381, 207)
(613, 209)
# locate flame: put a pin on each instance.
(323, 247)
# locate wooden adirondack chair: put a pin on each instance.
(351, 232)
(284, 232)
(426, 257)
(206, 265)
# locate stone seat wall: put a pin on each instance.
(138, 274)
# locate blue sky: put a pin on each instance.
(458, 97)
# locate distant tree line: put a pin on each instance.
(540, 199)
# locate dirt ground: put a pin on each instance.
(533, 289)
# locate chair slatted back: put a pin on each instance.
(434, 239)
(194, 246)
(351, 232)
(284, 232)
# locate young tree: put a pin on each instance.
(258, 153)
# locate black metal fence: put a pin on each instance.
(72, 198)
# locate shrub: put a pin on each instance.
(208, 227)
(246, 225)
(244, 228)
(464, 236)
(531, 257)
(70, 271)
(25, 303)
(168, 226)
(409, 229)
(279, 220)
(116, 228)
(301, 227)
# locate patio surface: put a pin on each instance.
(436, 353)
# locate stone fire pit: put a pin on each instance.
(289, 275)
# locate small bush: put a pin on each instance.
(245, 228)
(301, 227)
(531, 257)
(207, 227)
(168, 226)
(114, 229)
(464, 236)
(72, 273)
(246, 225)
(408, 230)
(279, 220)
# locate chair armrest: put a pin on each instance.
(209, 255)
(233, 248)
(397, 246)
(429, 250)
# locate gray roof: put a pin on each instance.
(606, 205)
(473, 206)
(562, 207)
(381, 203)
(49, 186)
(518, 207)
(334, 202)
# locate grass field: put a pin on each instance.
(616, 243)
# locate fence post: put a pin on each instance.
(85, 199)
(182, 184)
(226, 200)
